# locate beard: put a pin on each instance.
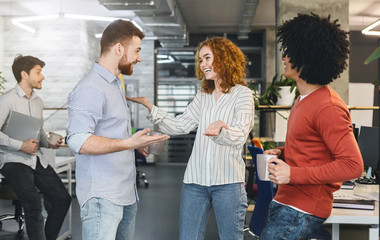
(125, 67)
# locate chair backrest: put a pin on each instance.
(6, 192)
(264, 196)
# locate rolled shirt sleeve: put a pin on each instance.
(76, 141)
(83, 116)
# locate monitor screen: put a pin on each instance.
(368, 142)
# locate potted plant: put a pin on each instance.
(373, 56)
(278, 89)
(2, 81)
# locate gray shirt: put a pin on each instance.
(17, 100)
(97, 106)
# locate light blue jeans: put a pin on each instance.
(230, 205)
(286, 223)
(105, 220)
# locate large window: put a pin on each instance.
(174, 97)
(177, 86)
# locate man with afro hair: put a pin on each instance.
(320, 149)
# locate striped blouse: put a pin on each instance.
(214, 160)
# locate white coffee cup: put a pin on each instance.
(53, 138)
(156, 148)
(262, 166)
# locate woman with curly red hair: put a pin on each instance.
(222, 112)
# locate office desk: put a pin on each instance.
(360, 217)
(64, 164)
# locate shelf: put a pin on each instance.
(364, 108)
(275, 107)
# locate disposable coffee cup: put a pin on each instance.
(156, 148)
(53, 138)
(262, 166)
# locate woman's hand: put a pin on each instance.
(215, 128)
(141, 100)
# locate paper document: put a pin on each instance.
(346, 194)
(22, 127)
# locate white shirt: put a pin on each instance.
(214, 160)
(16, 100)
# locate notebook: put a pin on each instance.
(354, 204)
(22, 127)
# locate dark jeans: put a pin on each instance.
(286, 223)
(27, 184)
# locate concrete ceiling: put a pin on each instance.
(173, 20)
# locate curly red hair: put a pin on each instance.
(229, 63)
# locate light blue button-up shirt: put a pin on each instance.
(97, 106)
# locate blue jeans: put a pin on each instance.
(286, 223)
(230, 205)
(105, 220)
(28, 183)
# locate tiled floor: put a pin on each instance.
(158, 212)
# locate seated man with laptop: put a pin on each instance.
(22, 163)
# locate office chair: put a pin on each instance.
(264, 197)
(7, 193)
(251, 187)
(140, 159)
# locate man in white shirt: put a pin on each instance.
(23, 165)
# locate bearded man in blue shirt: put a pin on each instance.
(100, 134)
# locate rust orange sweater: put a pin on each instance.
(321, 150)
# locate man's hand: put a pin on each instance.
(140, 139)
(59, 143)
(274, 151)
(215, 128)
(279, 171)
(144, 151)
(29, 146)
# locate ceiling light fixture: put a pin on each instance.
(367, 31)
(20, 21)
(134, 5)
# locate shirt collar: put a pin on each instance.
(21, 92)
(104, 73)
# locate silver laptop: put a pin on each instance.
(22, 127)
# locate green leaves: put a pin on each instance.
(373, 56)
(271, 93)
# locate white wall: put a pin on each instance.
(361, 95)
(69, 49)
(338, 9)
(1, 43)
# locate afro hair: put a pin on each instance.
(317, 47)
